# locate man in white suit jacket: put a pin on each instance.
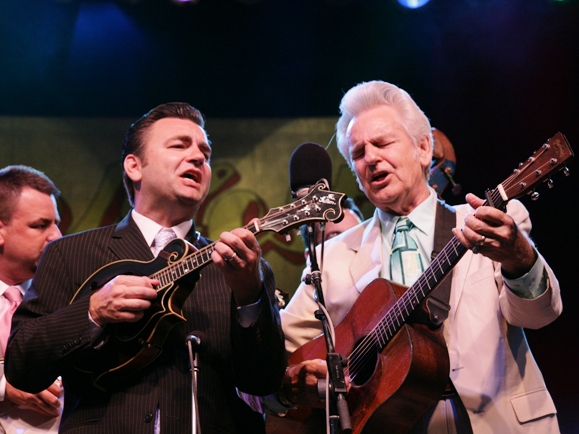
(499, 288)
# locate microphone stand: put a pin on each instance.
(193, 340)
(337, 388)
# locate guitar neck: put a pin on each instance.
(438, 270)
(320, 204)
(194, 261)
(432, 277)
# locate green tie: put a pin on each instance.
(405, 262)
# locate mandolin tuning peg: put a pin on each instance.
(566, 171)
(550, 183)
(534, 195)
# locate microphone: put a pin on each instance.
(198, 341)
(308, 164)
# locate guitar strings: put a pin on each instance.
(278, 218)
(388, 326)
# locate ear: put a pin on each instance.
(425, 152)
(2, 232)
(132, 166)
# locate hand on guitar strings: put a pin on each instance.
(300, 383)
(122, 299)
(237, 254)
(494, 234)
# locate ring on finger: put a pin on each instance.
(477, 246)
(230, 259)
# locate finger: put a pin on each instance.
(474, 201)
(48, 398)
(243, 242)
(470, 235)
(222, 253)
(134, 305)
(43, 403)
(490, 216)
(56, 388)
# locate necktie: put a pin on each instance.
(12, 298)
(405, 261)
(161, 239)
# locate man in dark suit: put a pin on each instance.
(28, 222)
(166, 158)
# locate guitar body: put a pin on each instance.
(129, 347)
(395, 387)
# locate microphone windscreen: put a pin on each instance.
(308, 164)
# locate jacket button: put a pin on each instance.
(148, 418)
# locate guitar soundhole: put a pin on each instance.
(363, 360)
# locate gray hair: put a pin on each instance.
(367, 95)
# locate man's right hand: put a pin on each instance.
(122, 299)
(46, 402)
(300, 384)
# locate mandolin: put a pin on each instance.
(397, 368)
(130, 347)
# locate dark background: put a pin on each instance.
(499, 77)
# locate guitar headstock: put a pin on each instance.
(318, 205)
(549, 158)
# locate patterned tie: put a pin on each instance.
(405, 262)
(12, 298)
(161, 239)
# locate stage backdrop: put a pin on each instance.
(250, 173)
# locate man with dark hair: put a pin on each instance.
(28, 222)
(167, 172)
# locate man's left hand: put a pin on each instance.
(494, 234)
(237, 254)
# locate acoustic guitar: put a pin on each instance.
(130, 347)
(398, 368)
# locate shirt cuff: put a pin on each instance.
(277, 403)
(95, 331)
(530, 285)
(2, 384)
(247, 315)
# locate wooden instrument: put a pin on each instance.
(130, 347)
(398, 369)
(443, 164)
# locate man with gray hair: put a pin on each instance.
(501, 286)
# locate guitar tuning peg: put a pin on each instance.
(550, 183)
(534, 195)
(566, 171)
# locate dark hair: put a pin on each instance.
(13, 179)
(135, 136)
(348, 204)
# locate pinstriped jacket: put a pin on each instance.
(50, 336)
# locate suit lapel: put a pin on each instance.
(127, 242)
(362, 269)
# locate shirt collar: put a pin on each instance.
(150, 228)
(22, 286)
(422, 217)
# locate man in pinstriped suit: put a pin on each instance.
(166, 158)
